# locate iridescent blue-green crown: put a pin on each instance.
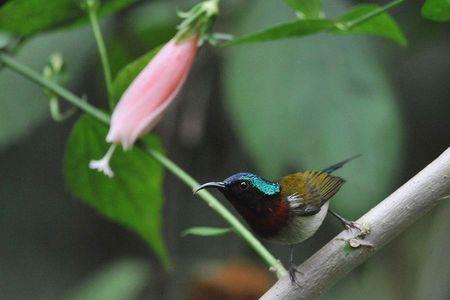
(267, 187)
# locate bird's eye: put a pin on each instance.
(243, 185)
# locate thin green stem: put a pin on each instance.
(215, 204)
(91, 8)
(56, 113)
(376, 12)
(221, 210)
(29, 73)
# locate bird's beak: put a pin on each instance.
(218, 185)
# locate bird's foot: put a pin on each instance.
(293, 271)
(363, 228)
(357, 240)
(349, 225)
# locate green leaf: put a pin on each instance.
(318, 101)
(206, 231)
(286, 30)
(436, 10)
(129, 72)
(133, 197)
(26, 17)
(381, 25)
(122, 280)
(307, 9)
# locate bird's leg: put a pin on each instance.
(347, 224)
(292, 268)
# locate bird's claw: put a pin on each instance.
(357, 240)
(349, 225)
(363, 228)
(292, 275)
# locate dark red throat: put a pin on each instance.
(267, 217)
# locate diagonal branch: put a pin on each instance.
(386, 220)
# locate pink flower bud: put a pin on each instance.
(149, 95)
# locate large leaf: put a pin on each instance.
(122, 280)
(133, 197)
(382, 25)
(307, 9)
(308, 103)
(286, 30)
(26, 17)
(436, 10)
(129, 72)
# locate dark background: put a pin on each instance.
(395, 112)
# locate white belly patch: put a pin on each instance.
(301, 228)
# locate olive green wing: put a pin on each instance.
(307, 191)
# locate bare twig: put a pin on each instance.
(386, 220)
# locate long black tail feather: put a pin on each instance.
(339, 165)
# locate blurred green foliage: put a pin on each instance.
(133, 197)
(435, 277)
(297, 28)
(380, 25)
(206, 231)
(151, 25)
(25, 106)
(370, 283)
(307, 9)
(5, 38)
(315, 102)
(121, 280)
(27, 17)
(436, 10)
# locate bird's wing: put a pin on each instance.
(306, 192)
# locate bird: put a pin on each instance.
(288, 210)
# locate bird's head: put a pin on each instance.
(244, 188)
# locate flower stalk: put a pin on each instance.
(37, 78)
(91, 7)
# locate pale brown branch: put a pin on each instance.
(386, 220)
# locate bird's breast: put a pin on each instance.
(271, 219)
(300, 228)
(266, 217)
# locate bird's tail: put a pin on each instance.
(339, 165)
